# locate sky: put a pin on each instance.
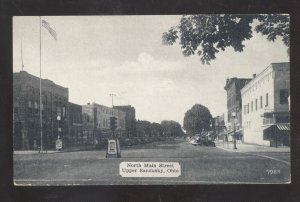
(95, 56)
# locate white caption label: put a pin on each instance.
(150, 169)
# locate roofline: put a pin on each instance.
(265, 69)
(36, 77)
(231, 81)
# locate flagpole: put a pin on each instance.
(22, 55)
(41, 122)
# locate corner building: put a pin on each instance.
(26, 112)
(265, 107)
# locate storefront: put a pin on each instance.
(278, 134)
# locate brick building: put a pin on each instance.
(75, 135)
(96, 122)
(88, 123)
(26, 112)
(130, 121)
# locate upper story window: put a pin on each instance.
(251, 106)
(267, 99)
(256, 104)
(64, 111)
(58, 111)
(261, 102)
(248, 108)
(35, 105)
(29, 104)
(284, 94)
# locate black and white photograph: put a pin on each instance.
(151, 99)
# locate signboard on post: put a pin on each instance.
(58, 144)
(113, 149)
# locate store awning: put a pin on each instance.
(229, 132)
(280, 126)
(283, 126)
(265, 127)
(236, 132)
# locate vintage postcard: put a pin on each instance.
(151, 100)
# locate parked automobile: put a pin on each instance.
(202, 140)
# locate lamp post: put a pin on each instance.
(216, 130)
(58, 128)
(234, 134)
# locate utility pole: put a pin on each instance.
(22, 55)
(234, 129)
(112, 103)
(41, 122)
(112, 111)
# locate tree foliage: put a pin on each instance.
(196, 119)
(206, 35)
(143, 128)
(171, 128)
(147, 129)
(156, 130)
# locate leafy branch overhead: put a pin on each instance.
(206, 35)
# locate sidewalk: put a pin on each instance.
(244, 147)
(35, 152)
(68, 149)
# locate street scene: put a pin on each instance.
(149, 100)
(199, 165)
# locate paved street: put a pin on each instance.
(198, 165)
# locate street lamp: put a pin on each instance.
(234, 134)
(58, 128)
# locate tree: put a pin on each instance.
(208, 34)
(156, 130)
(196, 119)
(171, 128)
(143, 128)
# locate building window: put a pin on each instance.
(244, 109)
(251, 106)
(261, 102)
(256, 104)
(248, 108)
(267, 99)
(284, 94)
(29, 104)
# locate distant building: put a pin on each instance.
(96, 122)
(219, 123)
(26, 112)
(88, 124)
(234, 104)
(130, 120)
(75, 135)
(266, 108)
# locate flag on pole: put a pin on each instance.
(51, 31)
